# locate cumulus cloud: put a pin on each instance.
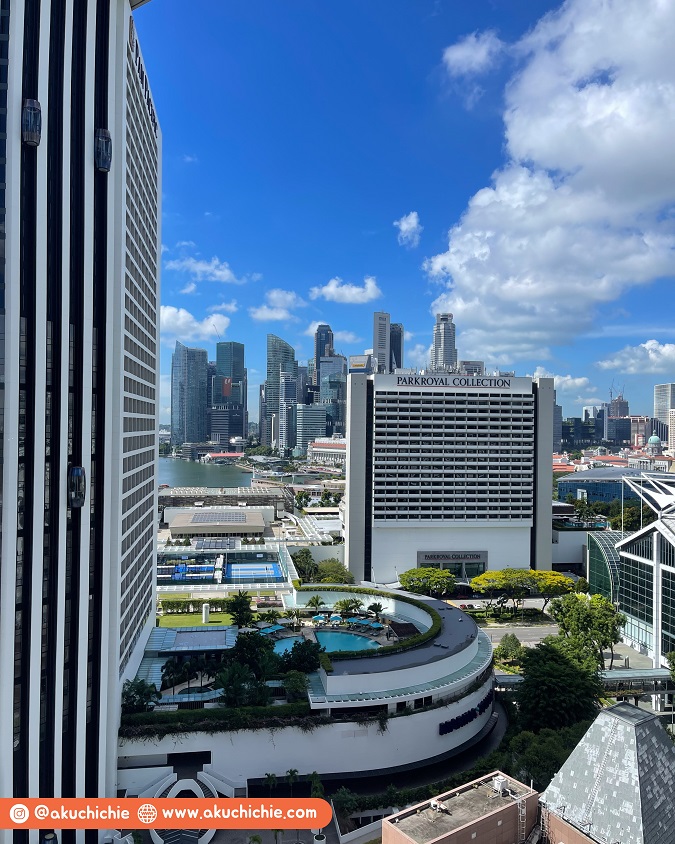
(408, 335)
(227, 307)
(201, 270)
(182, 244)
(336, 290)
(190, 159)
(190, 287)
(651, 356)
(582, 210)
(180, 324)
(277, 306)
(475, 53)
(418, 356)
(409, 230)
(566, 383)
(339, 336)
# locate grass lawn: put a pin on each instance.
(177, 596)
(194, 619)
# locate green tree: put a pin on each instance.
(271, 616)
(235, 680)
(513, 584)
(302, 499)
(326, 499)
(551, 584)
(376, 608)
(294, 615)
(582, 585)
(316, 786)
(490, 585)
(296, 684)
(270, 781)
(539, 756)
(291, 777)
(427, 581)
(593, 620)
(316, 602)
(509, 648)
(305, 565)
(239, 607)
(303, 656)
(555, 692)
(171, 673)
(333, 571)
(138, 696)
(257, 653)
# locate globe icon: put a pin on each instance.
(147, 813)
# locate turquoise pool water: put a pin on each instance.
(338, 640)
(283, 645)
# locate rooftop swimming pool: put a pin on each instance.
(341, 640)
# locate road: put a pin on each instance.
(526, 635)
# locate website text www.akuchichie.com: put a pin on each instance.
(164, 813)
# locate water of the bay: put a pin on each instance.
(186, 473)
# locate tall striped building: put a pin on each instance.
(79, 302)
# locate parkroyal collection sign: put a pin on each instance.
(452, 381)
(426, 557)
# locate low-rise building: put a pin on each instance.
(330, 451)
(495, 808)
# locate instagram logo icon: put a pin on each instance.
(19, 813)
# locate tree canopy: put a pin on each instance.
(333, 571)
(305, 565)
(239, 607)
(138, 696)
(555, 692)
(427, 581)
(302, 657)
(592, 620)
(551, 584)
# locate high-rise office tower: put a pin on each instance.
(471, 367)
(189, 369)
(664, 401)
(263, 431)
(288, 400)
(323, 346)
(232, 407)
(381, 341)
(280, 357)
(79, 304)
(444, 350)
(618, 407)
(311, 424)
(396, 346)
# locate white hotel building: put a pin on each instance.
(449, 470)
(79, 301)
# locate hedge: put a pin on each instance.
(412, 642)
(192, 605)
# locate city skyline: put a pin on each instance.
(283, 216)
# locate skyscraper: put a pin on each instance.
(664, 401)
(288, 400)
(311, 424)
(280, 357)
(232, 408)
(396, 346)
(188, 395)
(81, 175)
(444, 350)
(381, 341)
(323, 346)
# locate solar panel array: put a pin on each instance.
(214, 518)
(214, 544)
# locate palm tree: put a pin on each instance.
(270, 781)
(316, 785)
(200, 665)
(377, 608)
(354, 605)
(170, 673)
(316, 602)
(291, 777)
(189, 667)
(294, 615)
(271, 616)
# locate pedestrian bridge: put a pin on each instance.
(620, 682)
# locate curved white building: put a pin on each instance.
(437, 697)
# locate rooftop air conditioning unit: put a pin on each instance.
(499, 784)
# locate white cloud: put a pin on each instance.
(164, 248)
(277, 306)
(582, 210)
(336, 290)
(165, 398)
(227, 307)
(346, 337)
(651, 356)
(339, 336)
(418, 356)
(190, 159)
(475, 53)
(409, 230)
(179, 324)
(190, 287)
(408, 335)
(185, 243)
(201, 270)
(566, 383)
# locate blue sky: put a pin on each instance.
(510, 162)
